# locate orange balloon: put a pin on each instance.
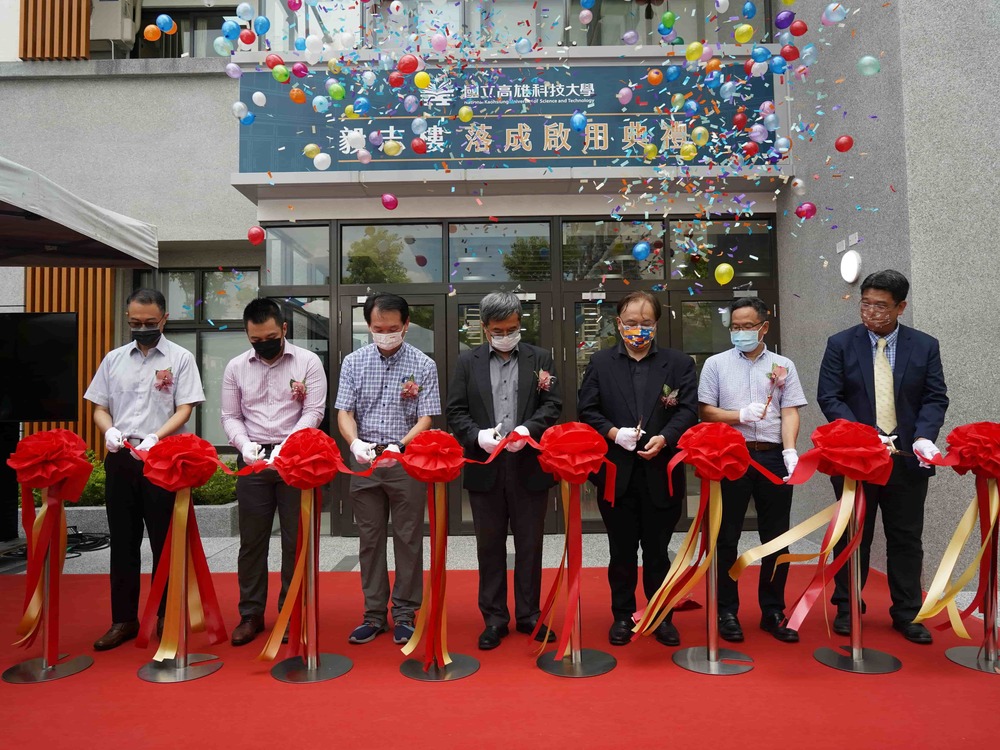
(713, 65)
(151, 33)
(172, 30)
(297, 95)
(655, 77)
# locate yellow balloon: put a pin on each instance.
(677, 101)
(650, 151)
(349, 112)
(699, 135)
(334, 66)
(422, 80)
(392, 148)
(788, 2)
(744, 33)
(465, 114)
(724, 273)
(311, 150)
(694, 51)
(689, 151)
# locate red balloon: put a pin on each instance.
(247, 36)
(739, 121)
(272, 60)
(748, 65)
(806, 210)
(255, 235)
(844, 143)
(790, 52)
(798, 28)
(407, 64)
(396, 79)
(418, 146)
(421, 260)
(750, 149)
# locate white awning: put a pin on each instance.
(43, 224)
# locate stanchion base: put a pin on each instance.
(696, 660)
(871, 662)
(294, 670)
(168, 670)
(592, 663)
(461, 666)
(34, 670)
(971, 657)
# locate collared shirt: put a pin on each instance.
(126, 385)
(639, 370)
(503, 381)
(731, 380)
(890, 346)
(371, 386)
(260, 402)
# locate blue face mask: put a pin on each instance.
(745, 341)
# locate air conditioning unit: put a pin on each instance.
(114, 20)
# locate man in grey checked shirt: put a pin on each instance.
(737, 388)
(387, 395)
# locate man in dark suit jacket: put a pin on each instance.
(642, 399)
(503, 386)
(907, 405)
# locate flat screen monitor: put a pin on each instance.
(38, 359)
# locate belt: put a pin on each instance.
(755, 445)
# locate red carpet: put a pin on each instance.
(788, 700)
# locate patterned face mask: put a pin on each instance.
(638, 336)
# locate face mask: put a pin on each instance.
(505, 343)
(638, 336)
(388, 340)
(146, 336)
(268, 348)
(874, 319)
(745, 341)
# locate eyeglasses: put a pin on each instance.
(135, 324)
(876, 306)
(747, 327)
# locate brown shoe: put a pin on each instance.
(247, 630)
(117, 635)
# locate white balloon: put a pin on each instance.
(244, 11)
(356, 139)
(758, 69)
(240, 110)
(368, 77)
(314, 43)
(313, 56)
(799, 186)
(322, 161)
(259, 99)
(395, 7)
(721, 6)
(348, 40)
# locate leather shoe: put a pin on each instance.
(117, 635)
(774, 623)
(544, 635)
(913, 631)
(842, 623)
(667, 634)
(489, 639)
(621, 633)
(247, 630)
(729, 628)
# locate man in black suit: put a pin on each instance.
(636, 394)
(504, 386)
(884, 374)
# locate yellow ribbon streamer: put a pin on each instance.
(32, 618)
(172, 624)
(439, 542)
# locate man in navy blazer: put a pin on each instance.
(641, 399)
(847, 390)
(500, 387)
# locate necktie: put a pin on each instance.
(885, 400)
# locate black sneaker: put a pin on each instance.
(402, 632)
(367, 631)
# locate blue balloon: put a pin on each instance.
(662, 30)
(749, 10)
(300, 43)
(714, 79)
(673, 72)
(164, 22)
(641, 250)
(362, 105)
(785, 38)
(231, 30)
(778, 65)
(261, 25)
(578, 122)
(587, 4)
(728, 90)
(760, 54)
(690, 107)
(248, 119)
(809, 55)
(772, 122)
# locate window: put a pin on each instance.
(391, 254)
(415, 25)
(604, 250)
(338, 25)
(298, 255)
(470, 333)
(697, 247)
(696, 21)
(196, 31)
(499, 251)
(500, 23)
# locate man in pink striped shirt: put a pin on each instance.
(269, 392)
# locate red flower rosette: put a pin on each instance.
(55, 460)
(180, 461)
(308, 459)
(432, 456)
(573, 451)
(715, 450)
(974, 447)
(852, 449)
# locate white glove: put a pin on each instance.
(114, 439)
(887, 441)
(628, 437)
(147, 443)
(791, 458)
(488, 439)
(924, 447)
(388, 461)
(752, 412)
(275, 451)
(363, 452)
(251, 452)
(519, 444)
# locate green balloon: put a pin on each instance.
(869, 65)
(280, 73)
(336, 91)
(668, 19)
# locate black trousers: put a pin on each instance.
(902, 503)
(132, 501)
(635, 521)
(774, 504)
(508, 503)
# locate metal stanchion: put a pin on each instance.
(582, 662)
(983, 658)
(313, 666)
(712, 659)
(857, 659)
(40, 670)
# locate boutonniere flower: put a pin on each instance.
(411, 389)
(545, 380)
(669, 397)
(164, 379)
(298, 389)
(777, 376)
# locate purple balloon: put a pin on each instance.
(233, 70)
(758, 133)
(784, 19)
(375, 138)
(630, 37)
(411, 103)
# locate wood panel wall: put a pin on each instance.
(90, 293)
(55, 30)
